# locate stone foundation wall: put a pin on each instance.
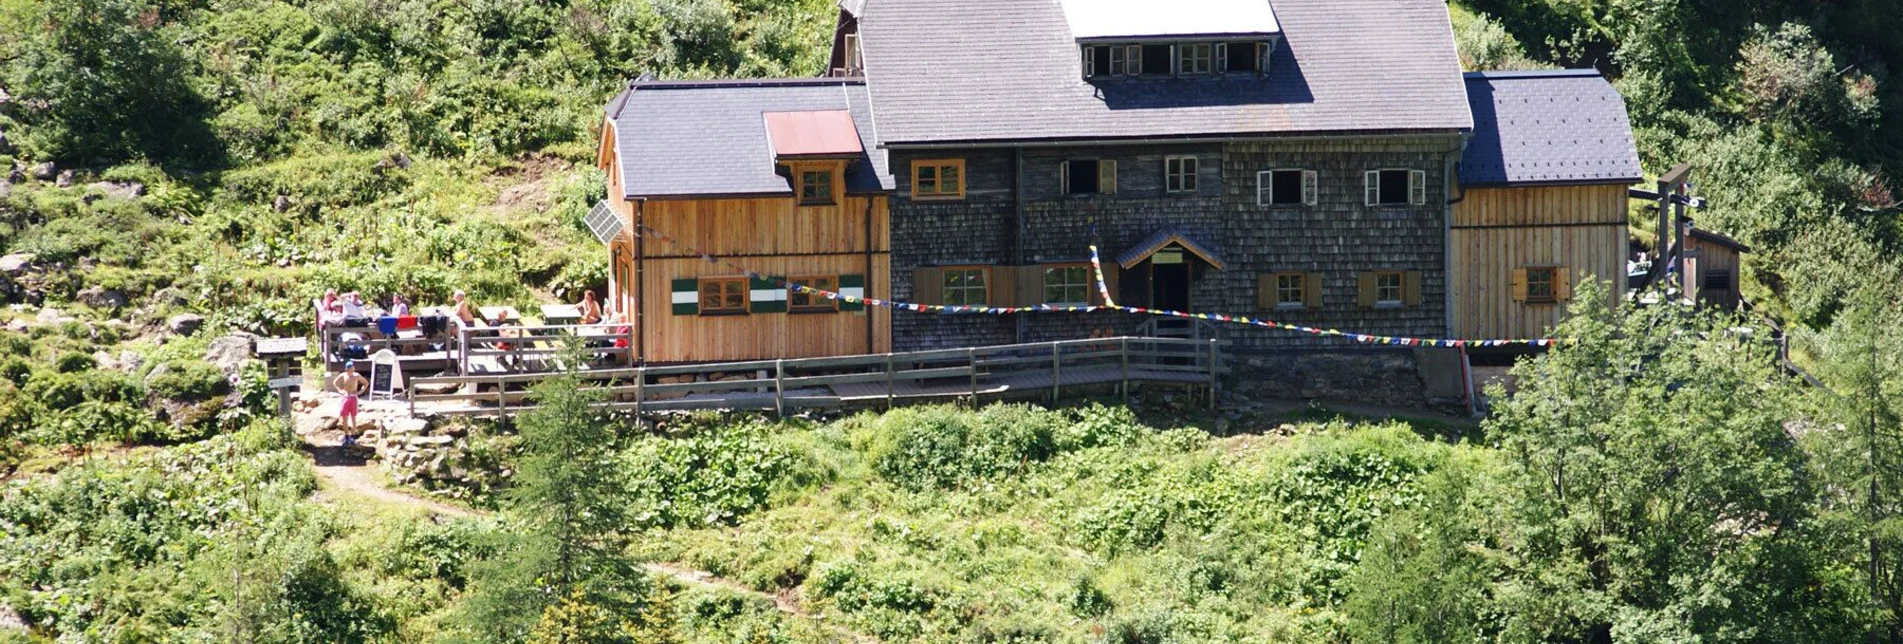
(1387, 377)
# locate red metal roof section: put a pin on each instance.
(813, 134)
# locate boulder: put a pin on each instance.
(118, 189)
(102, 298)
(65, 179)
(432, 441)
(282, 203)
(16, 175)
(230, 352)
(185, 323)
(50, 315)
(405, 426)
(43, 171)
(130, 361)
(16, 264)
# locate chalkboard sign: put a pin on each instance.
(384, 372)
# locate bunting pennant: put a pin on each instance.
(1109, 304)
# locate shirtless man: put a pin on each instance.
(590, 309)
(352, 385)
(465, 312)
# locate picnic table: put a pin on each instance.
(489, 313)
(561, 314)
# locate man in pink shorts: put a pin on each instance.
(352, 385)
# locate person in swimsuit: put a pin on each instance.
(590, 309)
(465, 312)
(352, 385)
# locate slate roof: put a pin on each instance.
(708, 138)
(1009, 70)
(1547, 127)
(1112, 19)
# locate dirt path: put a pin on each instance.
(352, 475)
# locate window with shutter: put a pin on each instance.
(1541, 285)
(1282, 188)
(1389, 187)
(964, 287)
(1311, 187)
(1417, 187)
(1107, 177)
(723, 295)
(800, 301)
(1067, 285)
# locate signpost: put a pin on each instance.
(384, 372)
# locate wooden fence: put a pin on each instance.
(1018, 371)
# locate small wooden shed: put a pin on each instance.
(1712, 262)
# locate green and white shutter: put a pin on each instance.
(766, 295)
(687, 296)
(852, 286)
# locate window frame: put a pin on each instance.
(1400, 289)
(1551, 281)
(826, 196)
(1086, 285)
(1183, 58)
(1100, 169)
(1283, 303)
(1190, 179)
(946, 288)
(1304, 189)
(819, 303)
(1704, 279)
(938, 167)
(744, 286)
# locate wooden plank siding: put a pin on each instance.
(774, 236)
(1704, 258)
(1496, 231)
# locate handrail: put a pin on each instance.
(967, 372)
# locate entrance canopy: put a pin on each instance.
(1167, 238)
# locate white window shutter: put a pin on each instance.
(1222, 58)
(1089, 60)
(1107, 176)
(1417, 186)
(1371, 186)
(1311, 185)
(1264, 187)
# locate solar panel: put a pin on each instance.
(603, 221)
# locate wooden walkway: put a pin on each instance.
(1040, 371)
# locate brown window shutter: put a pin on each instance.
(1030, 285)
(1312, 291)
(1519, 285)
(1265, 291)
(1411, 288)
(1365, 284)
(1001, 286)
(928, 284)
(1109, 284)
(1562, 284)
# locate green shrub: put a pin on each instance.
(16, 369)
(943, 447)
(714, 477)
(74, 362)
(1099, 426)
(189, 380)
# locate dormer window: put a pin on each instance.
(1179, 59)
(816, 187)
(1193, 59)
(1160, 38)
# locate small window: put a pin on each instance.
(1291, 290)
(816, 187)
(1285, 187)
(1125, 60)
(854, 63)
(1155, 60)
(1542, 285)
(1388, 288)
(799, 301)
(1088, 176)
(1179, 174)
(1097, 61)
(1192, 59)
(1067, 285)
(1240, 57)
(1396, 187)
(964, 287)
(938, 179)
(1718, 280)
(723, 296)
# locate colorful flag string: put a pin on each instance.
(1110, 304)
(1096, 267)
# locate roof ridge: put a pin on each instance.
(1534, 73)
(718, 83)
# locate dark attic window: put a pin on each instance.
(1156, 59)
(1242, 57)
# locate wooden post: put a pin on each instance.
(462, 349)
(640, 388)
(1056, 371)
(1123, 372)
(971, 362)
(502, 399)
(779, 388)
(1212, 374)
(889, 393)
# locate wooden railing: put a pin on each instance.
(1037, 370)
(514, 344)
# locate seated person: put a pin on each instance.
(331, 311)
(465, 310)
(590, 309)
(398, 307)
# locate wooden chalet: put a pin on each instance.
(1542, 200)
(780, 177)
(1316, 162)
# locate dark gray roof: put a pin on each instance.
(1009, 70)
(708, 138)
(1547, 127)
